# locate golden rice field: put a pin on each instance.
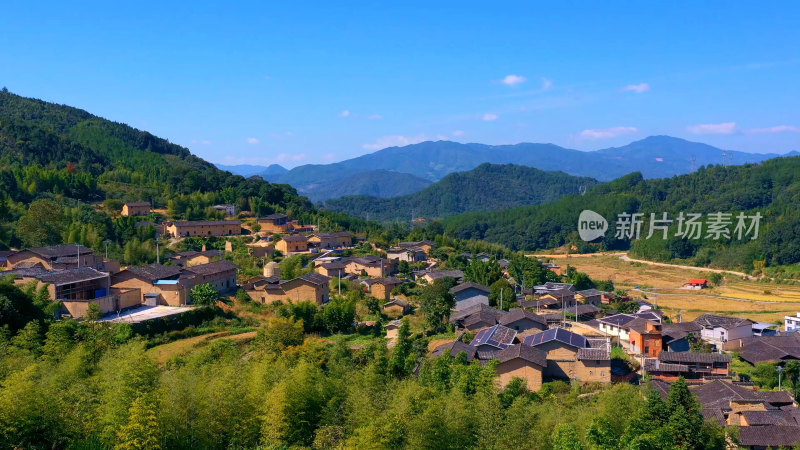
(759, 301)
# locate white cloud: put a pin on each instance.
(490, 117)
(329, 157)
(458, 133)
(637, 88)
(394, 141)
(547, 84)
(713, 128)
(513, 80)
(374, 117)
(607, 133)
(253, 141)
(776, 129)
(345, 113)
(201, 142)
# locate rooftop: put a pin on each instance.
(726, 322)
(69, 276)
(56, 251)
(200, 223)
(213, 267)
(469, 285)
(155, 272)
(557, 334)
(497, 336)
(516, 314)
(691, 357)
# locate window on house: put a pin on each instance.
(603, 373)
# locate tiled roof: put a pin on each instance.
(316, 278)
(294, 238)
(138, 204)
(590, 292)
(718, 394)
(557, 334)
(55, 251)
(675, 331)
(155, 272)
(334, 234)
(771, 417)
(469, 285)
(274, 217)
(213, 267)
(200, 223)
(690, 357)
(639, 325)
(497, 336)
(726, 322)
(770, 436)
(618, 320)
(654, 365)
(524, 352)
(517, 314)
(61, 277)
(454, 348)
(594, 354)
(475, 313)
(388, 281)
(437, 274)
(770, 348)
(398, 302)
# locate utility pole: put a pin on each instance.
(78, 246)
(340, 282)
(158, 254)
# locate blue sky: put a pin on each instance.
(306, 82)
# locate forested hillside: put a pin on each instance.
(378, 183)
(488, 187)
(771, 188)
(64, 174)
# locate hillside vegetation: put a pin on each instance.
(771, 188)
(488, 187)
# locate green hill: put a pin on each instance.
(771, 188)
(489, 187)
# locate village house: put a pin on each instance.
(696, 283)
(55, 257)
(494, 338)
(676, 336)
(765, 419)
(522, 321)
(311, 287)
(572, 356)
(203, 228)
(432, 275)
(590, 297)
(692, 366)
(369, 265)
(229, 210)
(332, 269)
(219, 274)
(470, 294)
(136, 209)
(274, 223)
(426, 246)
(454, 349)
(791, 323)
(645, 337)
(617, 325)
(476, 317)
(410, 255)
(292, 244)
(553, 267)
(77, 288)
(193, 258)
(393, 328)
(717, 330)
(381, 288)
(396, 307)
(157, 284)
(772, 349)
(521, 361)
(550, 286)
(339, 239)
(562, 297)
(261, 249)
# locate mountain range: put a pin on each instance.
(654, 157)
(488, 187)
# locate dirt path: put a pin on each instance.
(625, 257)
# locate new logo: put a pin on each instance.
(591, 225)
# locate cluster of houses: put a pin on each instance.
(77, 277)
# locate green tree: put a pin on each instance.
(501, 290)
(281, 332)
(338, 315)
(204, 295)
(93, 313)
(435, 304)
(398, 363)
(42, 224)
(142, 432)
(565, 437)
